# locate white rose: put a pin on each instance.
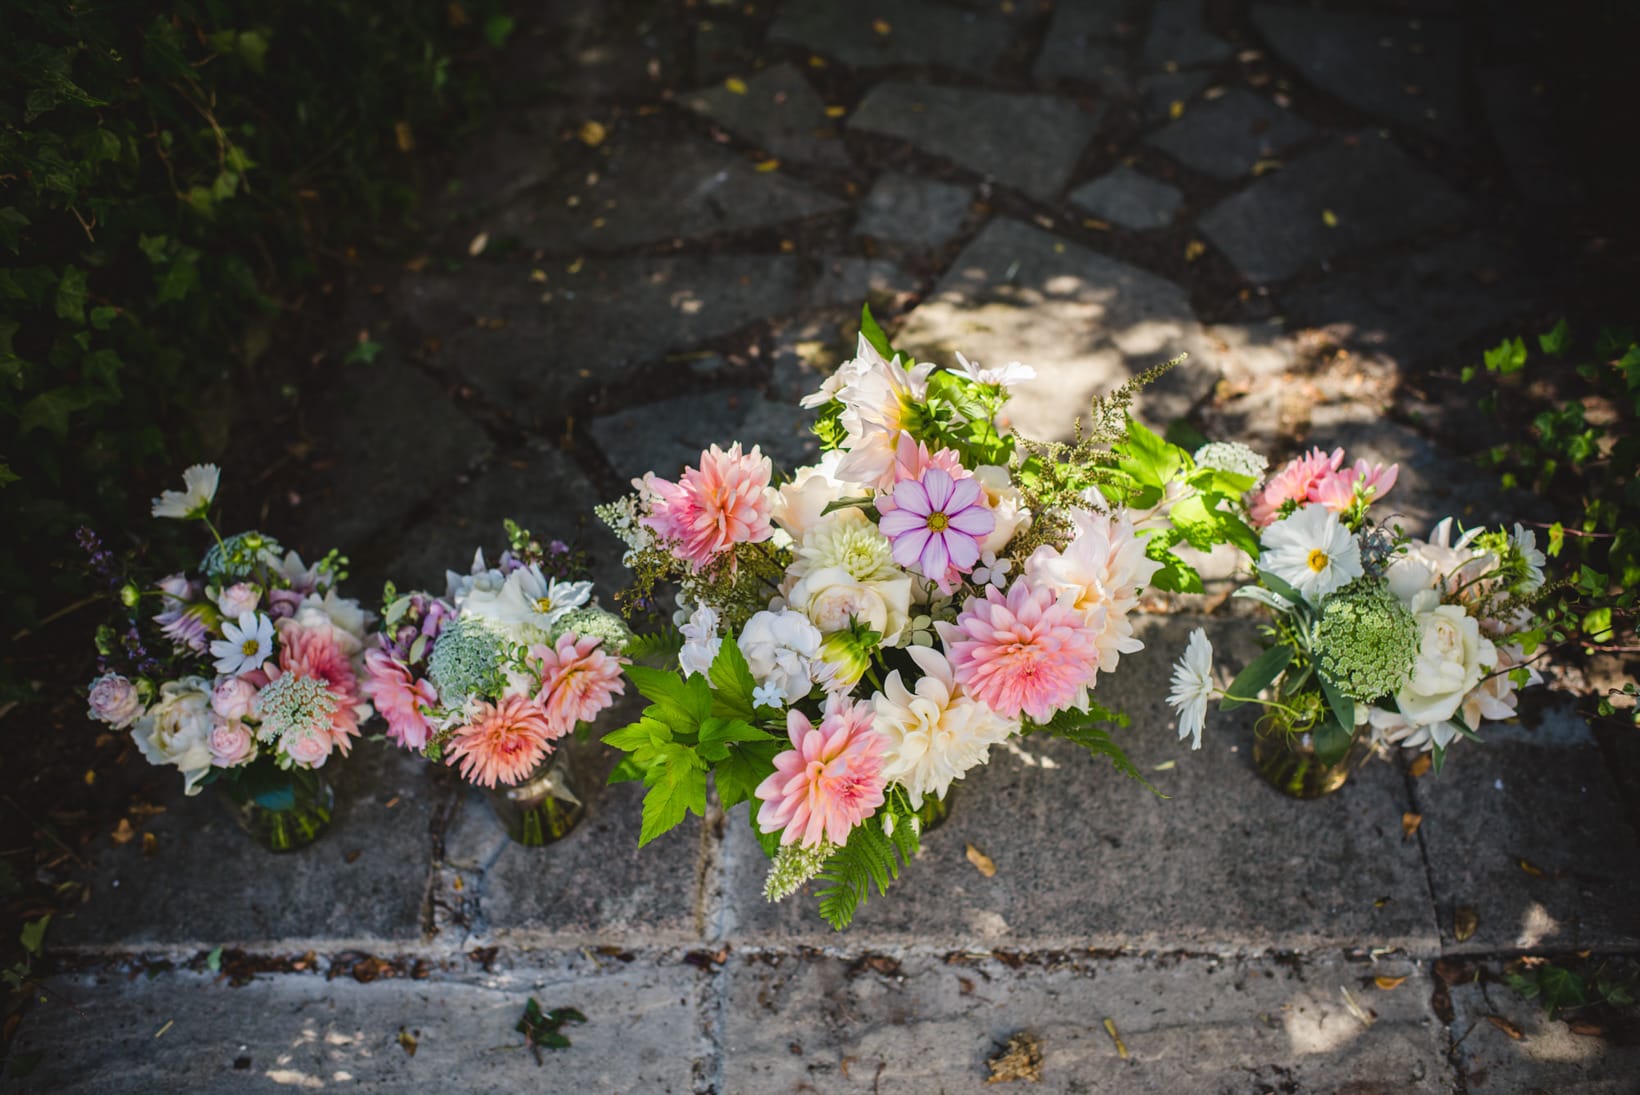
(176, 730)
(782, 649)
(831, 596)
(1007, 505)
(801, 501)
(1453, 655)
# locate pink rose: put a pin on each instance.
(238, 599)
(233, 697)
(231, 743)
(114, 700)
(306, 749)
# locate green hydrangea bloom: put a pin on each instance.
(1367, 640)
(239, 556)
(469, 659)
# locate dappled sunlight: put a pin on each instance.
(1027, 758)
(1321, 1026)
(1536, 926)
(290, 1077)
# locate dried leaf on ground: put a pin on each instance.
(123, 832)
(1464, 922)
(408, 1041)
(1020, 1059)
(1387, 983)
(592, 134)
(982, 862)
(1410, 823)
(1420, 766)
(1121, 1046)
(1506, 1026)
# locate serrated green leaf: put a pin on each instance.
(638, 735)
(681, 704)
(1152, 461)
(1256, 676)
(732, 683)
(677, 788)
(747, 765)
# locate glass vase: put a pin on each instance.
(541, 809)
(1288, 760)
(281, 809)
(933, 812)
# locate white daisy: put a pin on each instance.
(243, 648)
(200, 482)
(531, 598)
(1312, 552)
(1193, 687)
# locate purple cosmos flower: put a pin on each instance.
(937, 522)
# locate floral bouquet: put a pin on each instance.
(1377, 638)
(250, 676)
(492, 674)
(852, 641)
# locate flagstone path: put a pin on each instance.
(1288, 193)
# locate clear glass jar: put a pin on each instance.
(281, 809)
(544, 807)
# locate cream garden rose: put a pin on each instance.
(1453, 656)
(832, 597)
(177, 729)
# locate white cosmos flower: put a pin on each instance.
(935, 733)
(531, 599)
(1005, 378)
(243, 648)
(200, 483)
(481, 579)
(1524, 541)
(1312, 552)
(1193, 687)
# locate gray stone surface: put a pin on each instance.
(662, 437)
(1179, 36)
(1190, 1024)
(1161, 90)
(662, 189)
(779, 112)
(185, 1031)
(1377, 194)
(722, 49)
(1082, 44)
(1523, 125)
(1227, 136)
(1086, 858)
(1541, 795)
(1405, 69)
(208, 884)
(1416, 308)
(922, 213)
(1085, 322)
(920, 32)
(593, 886)
(542, 350)
(1031, 142)
(1549, 1056)
(1126, 197)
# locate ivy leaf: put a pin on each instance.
(1556, 340)
(34, 934)
(1257, 676)
(1561, 989)
(71, 295)
(1508, 356)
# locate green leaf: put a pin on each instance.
(34, 934)
(1082, 729)
(1257, 676)
(1147, 457)
(363, 352)
(733, 682)
(71, 290)
(646, 732)
(1332, 741)
(1176, 575)
(1278, 586)
(1556, 340)
(252, 47)
(874, 334)
(681, 704)
(677, 788)
(497, 29)
(1597, 624)
(1561, 989)
(1342, 707)
(213, 961)
(7, 476)
(1557, 539)
(181, 279)
(868, 859)
(747, 765)
(1508, 356)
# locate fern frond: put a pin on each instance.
(870, 858)
(1081, 728)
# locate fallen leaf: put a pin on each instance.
(735, 85)
(1410, 823)
(1506, 1026)
(1387, 983)
(538, 276)
(982, 862)
(882, 26)
(1464, 923)
(1264, 167)
(1194, 250)
(1586, 1028)
(1420, 766)
(592, 134)
(1121, 1046)
(123, 833)
(1175, 109)
(403, 136)
(575, 267)
(1530, 868)
(1329, 218)
(150, 843)
(1096, 225)
(417, 264)
(816, 61)
(408, 1041)
(479, 242)
(1020, 1059)
(836, 111)
(1165, 766)
(768, 165)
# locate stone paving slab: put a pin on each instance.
(1542, 795)
(1082, 44)
(780, 112)
(1161, 90)
(1376, 194)
(1228, 136)
(1030, 142)
(208, 884)
(1518, 112)
(1084, 321)
(1407, 68)
(663, 437)
(1087, 858)
(922, 213)
(918, 32)
(1126, 197)
(650, 189)
(595, 885)
(182, 1031)
(1548, 1057)
(1179, 36)
(1188, 1024)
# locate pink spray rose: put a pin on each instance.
(232, 697)
(114, 700)
(231, 743)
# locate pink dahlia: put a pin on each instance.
(318, 652)
(711, 508)
(937, 523)
(1339, 490)
(1292, 484)
(399, 698)
(503, 743)
(829, 781)
(578, 680)
(1027, 652)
